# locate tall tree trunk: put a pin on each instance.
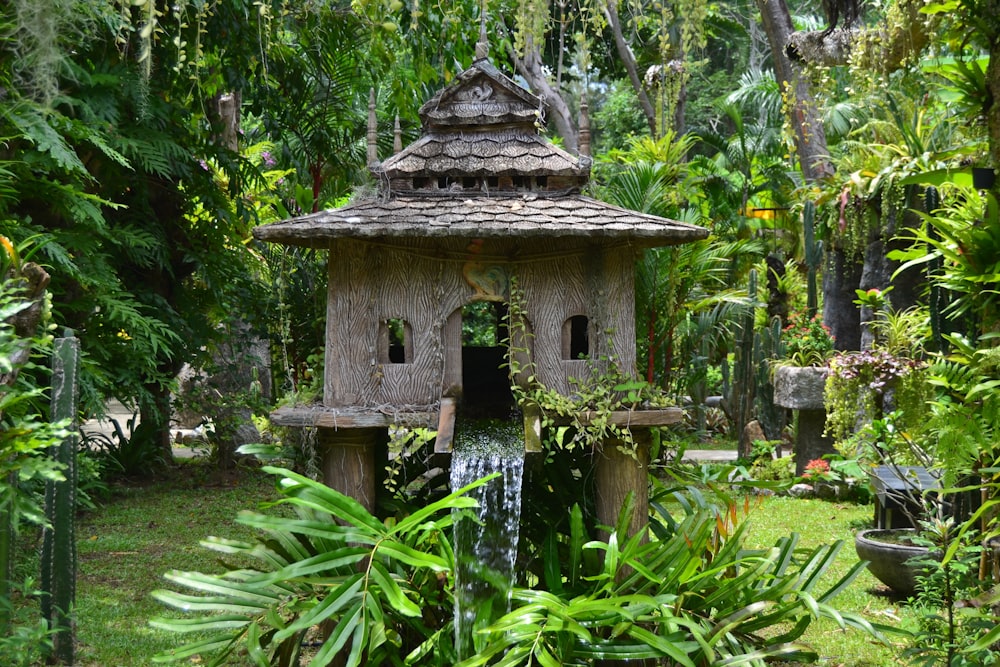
(240, 357)
(993, 85)
(530, 67)
(843, 271)
(154, 416)
(810, 139)
(628, 60)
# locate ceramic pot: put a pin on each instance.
(888, 557)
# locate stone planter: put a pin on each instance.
(888, 559)
(801, 388)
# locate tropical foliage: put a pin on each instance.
(381, 592)
(333, 577)
(142, 140)
(26, 438)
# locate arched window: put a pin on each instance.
(395, 342)
(575, 337)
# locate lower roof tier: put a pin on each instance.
(528, 215)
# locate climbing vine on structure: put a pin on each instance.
(582, 419)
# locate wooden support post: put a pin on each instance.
(349, 462)
(617, 474)
(446, 426)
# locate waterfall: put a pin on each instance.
(486, 548)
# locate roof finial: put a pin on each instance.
(397, 137)
(372, 130)
(483, 45)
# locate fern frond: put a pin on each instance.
(153, 152)
(35, 128)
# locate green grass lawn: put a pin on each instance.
(132, 540)
(145, 530)
(818, 522)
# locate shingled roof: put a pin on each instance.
(480, 216)
(480, 170)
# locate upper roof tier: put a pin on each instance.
(481, 96)
(481, 169)
(481, 125)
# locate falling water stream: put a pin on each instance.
(486, 548)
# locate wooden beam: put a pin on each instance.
(658, 417)
(351, 418)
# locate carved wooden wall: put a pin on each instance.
(425, 283)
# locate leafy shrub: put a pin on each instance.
(381, 592)
(376, 589)
(26, 437)
(956, 622)
(126, 454)
(869, 385)
(28, 639)
(693, 595)
(807, 341)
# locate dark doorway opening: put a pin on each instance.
(485, 383)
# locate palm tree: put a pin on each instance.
(672, 283)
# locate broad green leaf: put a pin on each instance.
(330, 564)
(551, 572)
(255, 651)
(201, 623)
(205, 646)
(410, 556)
(345, 630)
(248, 592)
(455, 500)
(733, 620)
(222, 604)
(544, 657)
(226, 546)
(790, 652)
(987, 641)
(358, 644)
(326, 530)
(672, 647)
(345, 594)
(577, 534)
(390, 589)
(324, 499)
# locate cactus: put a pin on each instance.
(751, 395)
(767, 347)
(58, 576)
(813, 257)
(742, 392)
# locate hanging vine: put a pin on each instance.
(40, 36)
(531, 24)
(583, 418)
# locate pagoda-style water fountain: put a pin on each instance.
(480, 198)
